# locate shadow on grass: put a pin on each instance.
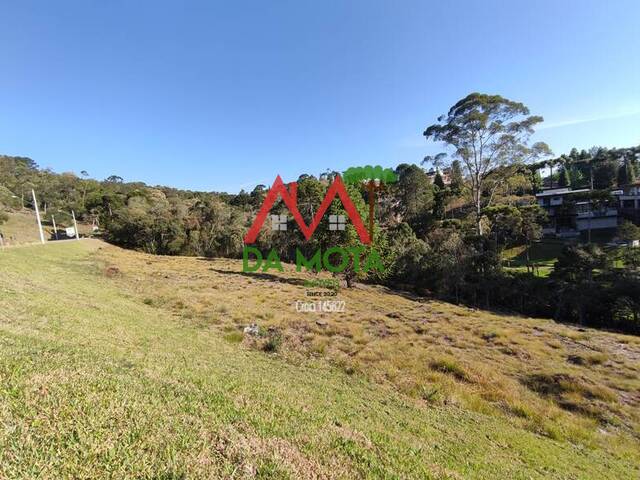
(270, 277)
(542, 253)
(406, 292)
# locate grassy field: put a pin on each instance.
(119, 364)
(543, 256)
(22, 228)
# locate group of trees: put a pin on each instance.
(598, 168)
(590, 289)
(442, 233)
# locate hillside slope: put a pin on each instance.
(114, 363)
(22, 227)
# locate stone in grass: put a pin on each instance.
(252, 329)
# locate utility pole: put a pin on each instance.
(75, 224)
(55, 229)
(371, 188)
(35, 203)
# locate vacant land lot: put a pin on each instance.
(22, 227)
(115, 363)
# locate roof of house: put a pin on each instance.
(552, 192)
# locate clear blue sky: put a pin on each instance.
(221, 96)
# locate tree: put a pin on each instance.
(414, 195)
(457, 180)
(487, 133)
(581, 294)
(114, 179)
(375, 179)
(506, 223)
(440, 199)
(310, 193)
(631, 255)
(631, 259)
(578, 264)
(533, 216)
(628, 231)
(564, 179)
(626, 173)
(219, 229)
(576, 177)
(348, 238)
(243, 200)
(410, 256)
(605, 174)
(536, 180)
(257, 196)
(85, 175)
(519, 184)
(450, 261)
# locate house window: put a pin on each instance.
(628, 204)
(278, 222)
(337, 222)
(583, 208)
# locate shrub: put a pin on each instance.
(272, 341)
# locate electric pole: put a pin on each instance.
(35, 204)
(75, 224)
(55, 229)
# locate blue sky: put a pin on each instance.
(222, 96)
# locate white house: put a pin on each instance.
(570, 212)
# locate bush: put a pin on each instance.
(273, 342)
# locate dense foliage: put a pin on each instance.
(435, 237)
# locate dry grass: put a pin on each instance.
(22, 228)
(118, 364)
(553, 379)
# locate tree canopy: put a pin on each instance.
(487, 133)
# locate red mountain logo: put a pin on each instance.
(290, 198)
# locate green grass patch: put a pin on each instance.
(543, 255)
(95, 383)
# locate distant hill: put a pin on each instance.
(7, 198)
